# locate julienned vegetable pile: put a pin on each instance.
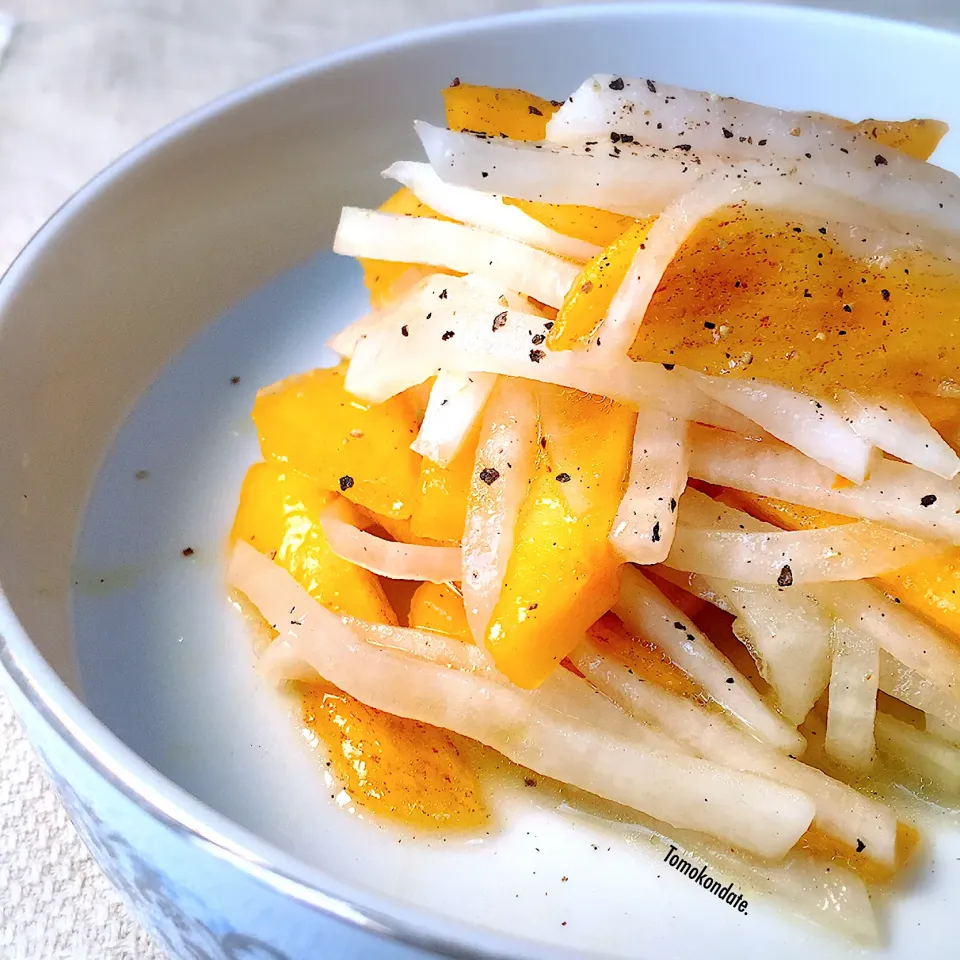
(652, 378)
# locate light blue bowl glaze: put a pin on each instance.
(136, 691)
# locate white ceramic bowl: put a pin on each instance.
(198, 257)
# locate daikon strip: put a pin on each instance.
(595, 175)
(849, 551)
(898, 680)
(925, 758)
(896, 426)
(485, 210)
(786, 631)
(789, 635)
(742, 809)
(387, 558)
(345, 341)
(942, 731)
(854, 680)
(902, 634)
(441, 243)
(646, 612)
(562, 691)
(647, 517)
(813, 427)
(661, 114)
(697, 585)
(502, 471)
(842, 812)
(282, 661)
(456, 401)
(896, 494)
(461, 325)
(820, 150)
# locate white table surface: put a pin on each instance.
(82, 81)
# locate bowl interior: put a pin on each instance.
(207, 247)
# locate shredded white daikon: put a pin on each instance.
(647, 613)
(456, 401)
(464, 325)
(896, 494)
(454, 246)
(502, 471)
(786, 631)
(923, 757)
(782, 558)
(903, 683)
(902, 634)
(593, 175)
(812, 426)
(841, 811)
(942, 731)
(746, 810)
(896, 426)
(854, 680)
(386, 558)
(818, 150)
(646, 520)
(485, 210)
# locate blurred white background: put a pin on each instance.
(82, 81)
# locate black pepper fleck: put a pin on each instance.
(532, 109)
(447, 335)
(489, 475)
(880, 160)
(500, 320)
(186, 551)
(563, 478)
(928, 501)
(786, 576)
(616, 84)
(537, 355)
(405, 330)
(655, 533)
(651, 86)
(346, 482)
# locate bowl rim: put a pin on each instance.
(103, 751)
